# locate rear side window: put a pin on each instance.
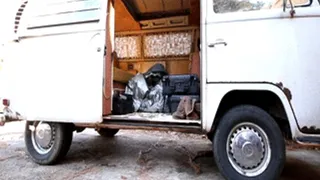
(49, 13)
(227, 6)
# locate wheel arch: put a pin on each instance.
(270, 97)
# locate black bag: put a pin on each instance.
(122, 104)
(181, 85)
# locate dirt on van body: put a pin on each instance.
(135, 155)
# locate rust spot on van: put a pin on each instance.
(310, 130)
(285, 90)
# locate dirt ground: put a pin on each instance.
(140, 155)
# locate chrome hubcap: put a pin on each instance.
(248, 149)
(42, 137)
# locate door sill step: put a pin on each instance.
(147, 125)
(151, 118)
(309, 140)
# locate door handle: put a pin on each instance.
(212, 45)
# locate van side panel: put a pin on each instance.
(269, 46)
(59, 77)
(55, 72)
(305, 86)
(219, 90)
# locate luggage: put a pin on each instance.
(173, 101)
(181, 85)
(122, 104)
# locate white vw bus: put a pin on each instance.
(257, 62)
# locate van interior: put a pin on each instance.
(145, 36)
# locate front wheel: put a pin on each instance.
(47, 142)
(248, 144)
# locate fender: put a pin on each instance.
(215, 92)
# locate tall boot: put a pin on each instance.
(197, 107)
(180, 112)
(190, 109)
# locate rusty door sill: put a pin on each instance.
(151, 117)
(188, 127)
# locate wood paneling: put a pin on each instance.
(129, 66)
(154, 6)
(174, 65)
(195, 63)
(124, 20)
(178, 67)
(145, 66)
(122, 76)
(141, 6)
(186, 4)
(194, 17)
(170, 5)
(141, 66)
(160, 6)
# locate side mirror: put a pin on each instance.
(292, 11)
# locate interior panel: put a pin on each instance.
(173, 42)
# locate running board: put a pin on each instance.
(309, 140)
(144, 125)
(147, 121)
(188, 126)
(152, 118)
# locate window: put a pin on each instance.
(63, 12)
(227, 6)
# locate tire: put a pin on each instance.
(56, 148)
(241, 131)
(210, 136)
(104, 132)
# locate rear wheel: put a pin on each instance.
(46, 142)
(248, 144)
(105, 132)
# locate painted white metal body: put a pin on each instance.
(58, 72)
(264, 48)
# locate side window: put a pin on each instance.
(227, 6)
(51, 13)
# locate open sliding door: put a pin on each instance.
(59, 75)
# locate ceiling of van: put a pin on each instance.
(149, 9)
